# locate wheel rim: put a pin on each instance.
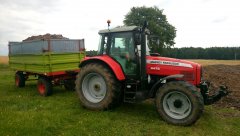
(17, 81)
(41, 88)
(177, 105)
(94, 87)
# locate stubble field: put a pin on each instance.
(3, 59)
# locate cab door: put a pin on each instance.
(122, 49)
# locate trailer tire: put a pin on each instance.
(44, 86)
(97, 87)
(179, 103)
(19, 79)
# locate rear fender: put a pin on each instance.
(108, 61)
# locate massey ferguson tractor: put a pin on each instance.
(125, 71)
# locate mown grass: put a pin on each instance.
(24, 112)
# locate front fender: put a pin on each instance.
(112, 64)
(159, 82)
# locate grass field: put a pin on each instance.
(24, 112)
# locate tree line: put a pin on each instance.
(219, 53)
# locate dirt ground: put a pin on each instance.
(3, 59)
(223, 72)
(225, 75)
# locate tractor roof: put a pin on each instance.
(119, 29)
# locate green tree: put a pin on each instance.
(158, 25)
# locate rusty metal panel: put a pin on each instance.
(35, 47)
(43, 46)
(66, 46)
(15, 48)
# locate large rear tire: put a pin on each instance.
(179, 103)
(19, 79)
(44, 86)
(97, 87)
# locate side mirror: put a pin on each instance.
(154, 39)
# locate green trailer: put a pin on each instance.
(53, 62)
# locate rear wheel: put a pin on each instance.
(97, 88)
(19, 79)
(44, 86)
(179, 103)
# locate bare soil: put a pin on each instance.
(228, 75)
(3, 59)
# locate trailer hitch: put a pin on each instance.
(210, 99)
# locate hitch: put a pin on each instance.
(208, 100)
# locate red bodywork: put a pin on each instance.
(56, 77)
(59, 73)
(116, 68)
(160, 66)
(163, 66)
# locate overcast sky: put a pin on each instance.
(199, 23)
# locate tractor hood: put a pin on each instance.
(163, 66)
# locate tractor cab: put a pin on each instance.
(123, 45)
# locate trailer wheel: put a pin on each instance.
(19, 79)
(179, 103)
(44, 86)
(97, 87)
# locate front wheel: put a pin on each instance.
(179, 103)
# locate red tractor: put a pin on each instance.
(125, 71)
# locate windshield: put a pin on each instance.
(99, 44)
(102, 46)
(147, 46)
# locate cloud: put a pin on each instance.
(198, 22)
(44, 6)
(220, 19)
(19, 19)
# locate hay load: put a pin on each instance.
(46, 36)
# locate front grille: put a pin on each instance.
(189, 76)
